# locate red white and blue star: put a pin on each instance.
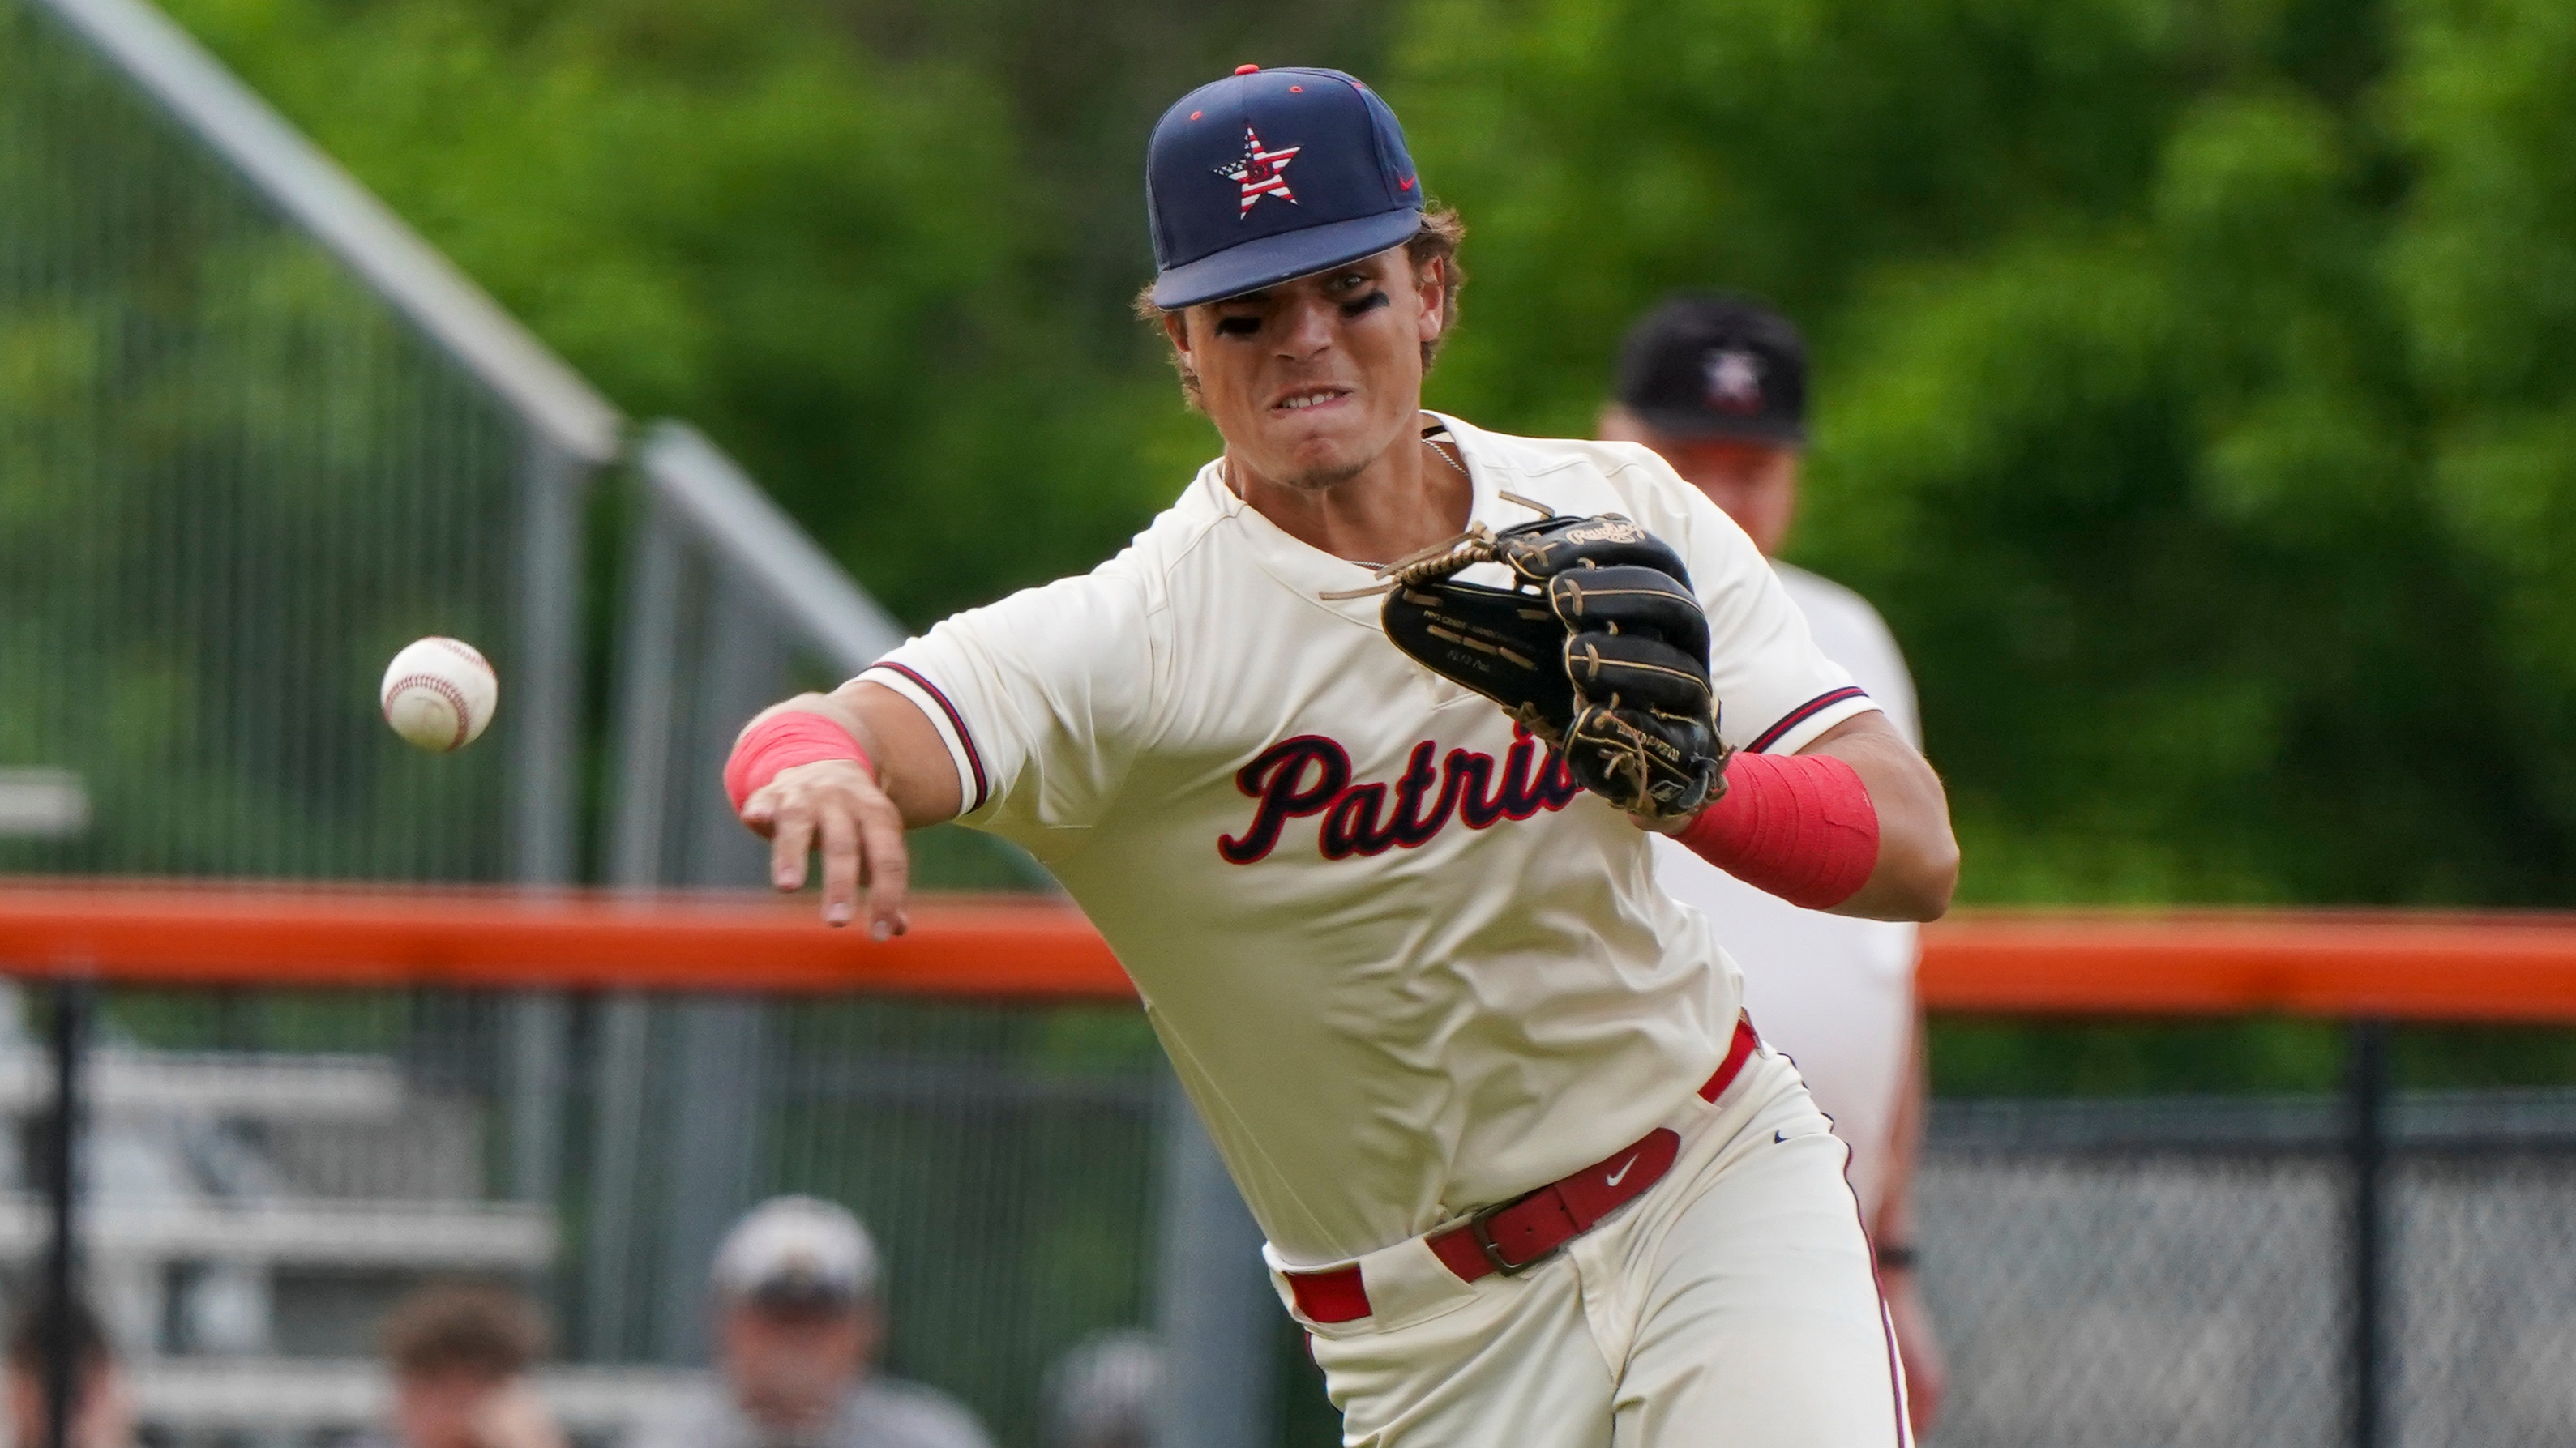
(1259, 172)
(1734, 381)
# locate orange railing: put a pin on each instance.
(2387, 964)
(2392, 964)
(192, 934)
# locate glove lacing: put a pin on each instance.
(1439, 560)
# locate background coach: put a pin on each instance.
(1718, 385)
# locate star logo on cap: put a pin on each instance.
(1258, 173)
(1734, 381)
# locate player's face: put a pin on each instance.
(791, 1369)
(1312, 380)
(1756, 483)
(444, 1407)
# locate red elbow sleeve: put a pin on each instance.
(1800, 827)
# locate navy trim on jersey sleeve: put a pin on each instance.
(1800, 715)
(956, 721)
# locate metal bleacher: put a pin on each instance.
(250, 1208)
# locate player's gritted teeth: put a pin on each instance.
(1312, 379)
(1307, 398)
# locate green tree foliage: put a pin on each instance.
(731, 212)
(2194, 389)
(881, 251)
(2193, 376)
(2482, 266)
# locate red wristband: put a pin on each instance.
(783, 741)
(1801, 827)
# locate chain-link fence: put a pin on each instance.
(269, 1169)
(2194, 1271)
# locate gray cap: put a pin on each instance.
(797, 1251)
(1105, 1392)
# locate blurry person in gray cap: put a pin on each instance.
(1105, 1392)
(1717, 384)
(799, 1324)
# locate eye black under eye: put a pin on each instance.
(1369, 303)
(1238, 326)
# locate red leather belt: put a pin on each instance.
(1518, 1234)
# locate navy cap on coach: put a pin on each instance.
(1717, 365)
(1273, 174)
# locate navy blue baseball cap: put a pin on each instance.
(1273, 174)
(1719, 366)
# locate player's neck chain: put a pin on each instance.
(1225, 474)
(1442, 453)
(1437, 451)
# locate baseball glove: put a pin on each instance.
(1599, 647)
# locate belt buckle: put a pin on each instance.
(1476, 1227)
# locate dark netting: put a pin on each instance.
(2185, 1271)
(2120, 1300)
(2485, 1319)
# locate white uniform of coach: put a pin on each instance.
(1836, 993)
(1717, 385)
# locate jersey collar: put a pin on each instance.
(1310, 571)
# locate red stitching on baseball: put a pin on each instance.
(454, 696)
(467, 652)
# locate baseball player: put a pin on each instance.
(1527, 1175)
(1717, 385)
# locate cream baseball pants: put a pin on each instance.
(1733, 1303)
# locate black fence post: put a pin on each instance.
(62, 1367)
(2367, 1083)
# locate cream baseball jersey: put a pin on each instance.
(1835, 993)
(1403, 964)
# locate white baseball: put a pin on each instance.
(440, 693)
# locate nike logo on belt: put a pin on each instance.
(1615, 1177)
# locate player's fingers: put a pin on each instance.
(760, 812)
(793, 836)
(840, 831)
(889, 867)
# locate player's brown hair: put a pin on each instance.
(1438, 240)
(450, 1327)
